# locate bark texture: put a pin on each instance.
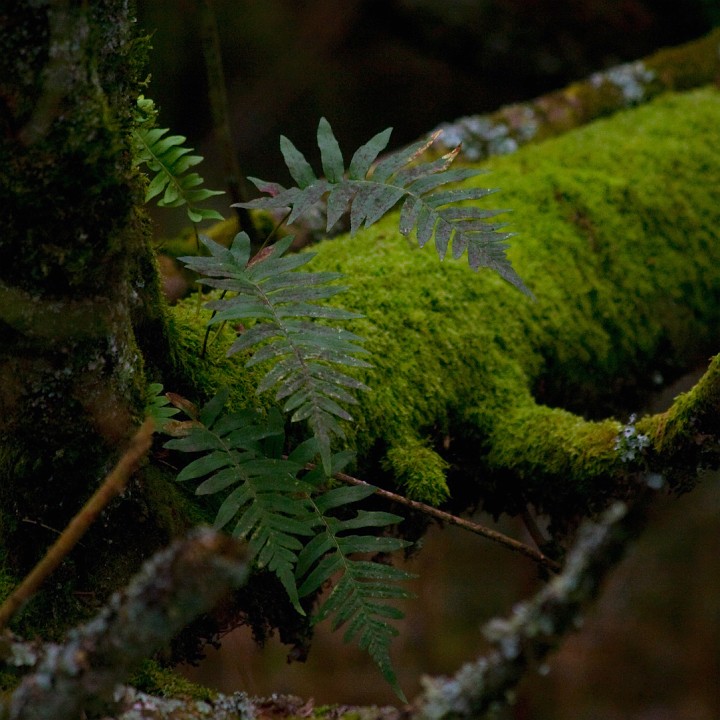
(80, 311)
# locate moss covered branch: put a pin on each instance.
(617, 237)
(688, 66)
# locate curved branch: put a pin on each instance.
(536, 627)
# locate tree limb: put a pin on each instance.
(536, 627)
(173, 587)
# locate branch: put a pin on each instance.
(536, 627)
(494, 535)
(502, 132)
(113, 485)
(173, 587)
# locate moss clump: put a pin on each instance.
(153, 679)
(618, 240)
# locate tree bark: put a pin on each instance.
(81, 317)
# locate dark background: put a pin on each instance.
(369, 64)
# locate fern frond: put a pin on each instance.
(265, 502)
(428, 208)
(276, 510)
(357, 601)
(304, 356)
(158, 406)
(166, 157)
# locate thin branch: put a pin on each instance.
(532, 527)
(217, 96)
(536, 627)
(113, 485)
(494, 535)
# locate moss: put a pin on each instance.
(200, 375)
(154, 679)
(418, 469)
(617, 239)
(617, 227)
(171, 509)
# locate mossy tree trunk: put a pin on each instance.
(79, 298)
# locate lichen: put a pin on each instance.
(603, 93)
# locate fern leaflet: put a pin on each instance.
(428, 207)
(244, 449)
(305, 355)
(158, 406)
(357, 600)
(165, 156)
(276, 510)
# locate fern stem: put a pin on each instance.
(494, 535)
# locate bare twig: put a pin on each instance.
(113, 485)
(217, 96)
(494, 535)
(532, 527)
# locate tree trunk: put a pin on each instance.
(79, 298)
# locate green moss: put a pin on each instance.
(200, 375)
(419, 470)
(617, 237)
(172, 510)
(617, 228)
(154, 679)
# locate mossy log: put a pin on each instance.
(476, 385)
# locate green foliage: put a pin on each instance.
(158, 406)
(276, 505)
(304, 356)
(428, 207)
(295, 526)
(165, 157)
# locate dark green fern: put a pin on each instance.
(276, 505)
(305, 357)
(168, 161)
(358, 599)
(295, 526)
(243, 451)
(428, 207)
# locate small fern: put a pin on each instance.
(158, 406)
(356, 601)
(368, 194)
(277, 510)
(305, 355)
(244, 450)
(165, 157)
